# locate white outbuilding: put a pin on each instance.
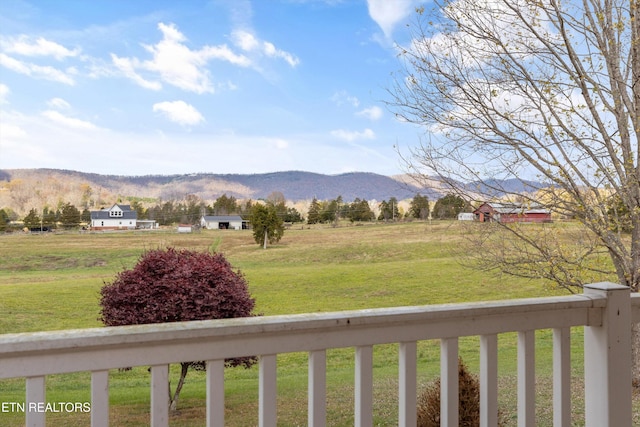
(223, 222)
(466, 216)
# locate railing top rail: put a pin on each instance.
(104, 336)
(28, 354)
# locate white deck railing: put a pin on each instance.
(606, 310)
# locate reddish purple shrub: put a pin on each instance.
(174, 286)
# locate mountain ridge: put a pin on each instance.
(23, 189)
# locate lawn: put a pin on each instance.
(52, 281)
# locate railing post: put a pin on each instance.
(35, 396)
(607, 359)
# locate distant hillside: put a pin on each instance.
(22, 189)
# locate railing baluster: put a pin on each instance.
(526, 379)
(215, 393)
(407, 367)
(35, 397)
(561, 377)
(364, 386)
(488, 380)
(160, 396)
(317, 406)
(449, 382)
(100, 399)
(268, 391)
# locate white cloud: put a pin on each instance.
(10, 131)
(279, 143)
(342, 97)
(179, 112)
(128, 68)
(250, 43)
(69, 122)
(351, 136)
(25, 46)
(37, 71)
(388, 13)
(176, 64)
(371, 113)
(4, 93)
(58, 103)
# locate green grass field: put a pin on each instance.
(52, 281)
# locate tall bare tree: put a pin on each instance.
(545, 90)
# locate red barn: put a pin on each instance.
(511, 212)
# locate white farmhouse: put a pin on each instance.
(117, 217)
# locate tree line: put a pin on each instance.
(192, 208)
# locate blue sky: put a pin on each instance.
(164, 87)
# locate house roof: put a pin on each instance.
(515, 208)
(127, 213)
(219, 218)
(122, 207)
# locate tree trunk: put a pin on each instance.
(635, 352)
(183, 375)
(266, 233)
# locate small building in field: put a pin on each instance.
(223, 222)
(511, 212)
(146, 224)
(466, 216)
(117, 217)
(184, 228)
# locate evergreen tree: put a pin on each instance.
(292, 215)
(86, 216)
(70, 216)
(359, 210)
(448, 207)
(49, 219)
(389, 210)
(313, 216)
(419, 207)
(4, 220)
(141, 212)
(328, 211)
(245, 209)
(225, 205)
(32, 220)
(267, 225)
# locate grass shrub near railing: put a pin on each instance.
(311, 270)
